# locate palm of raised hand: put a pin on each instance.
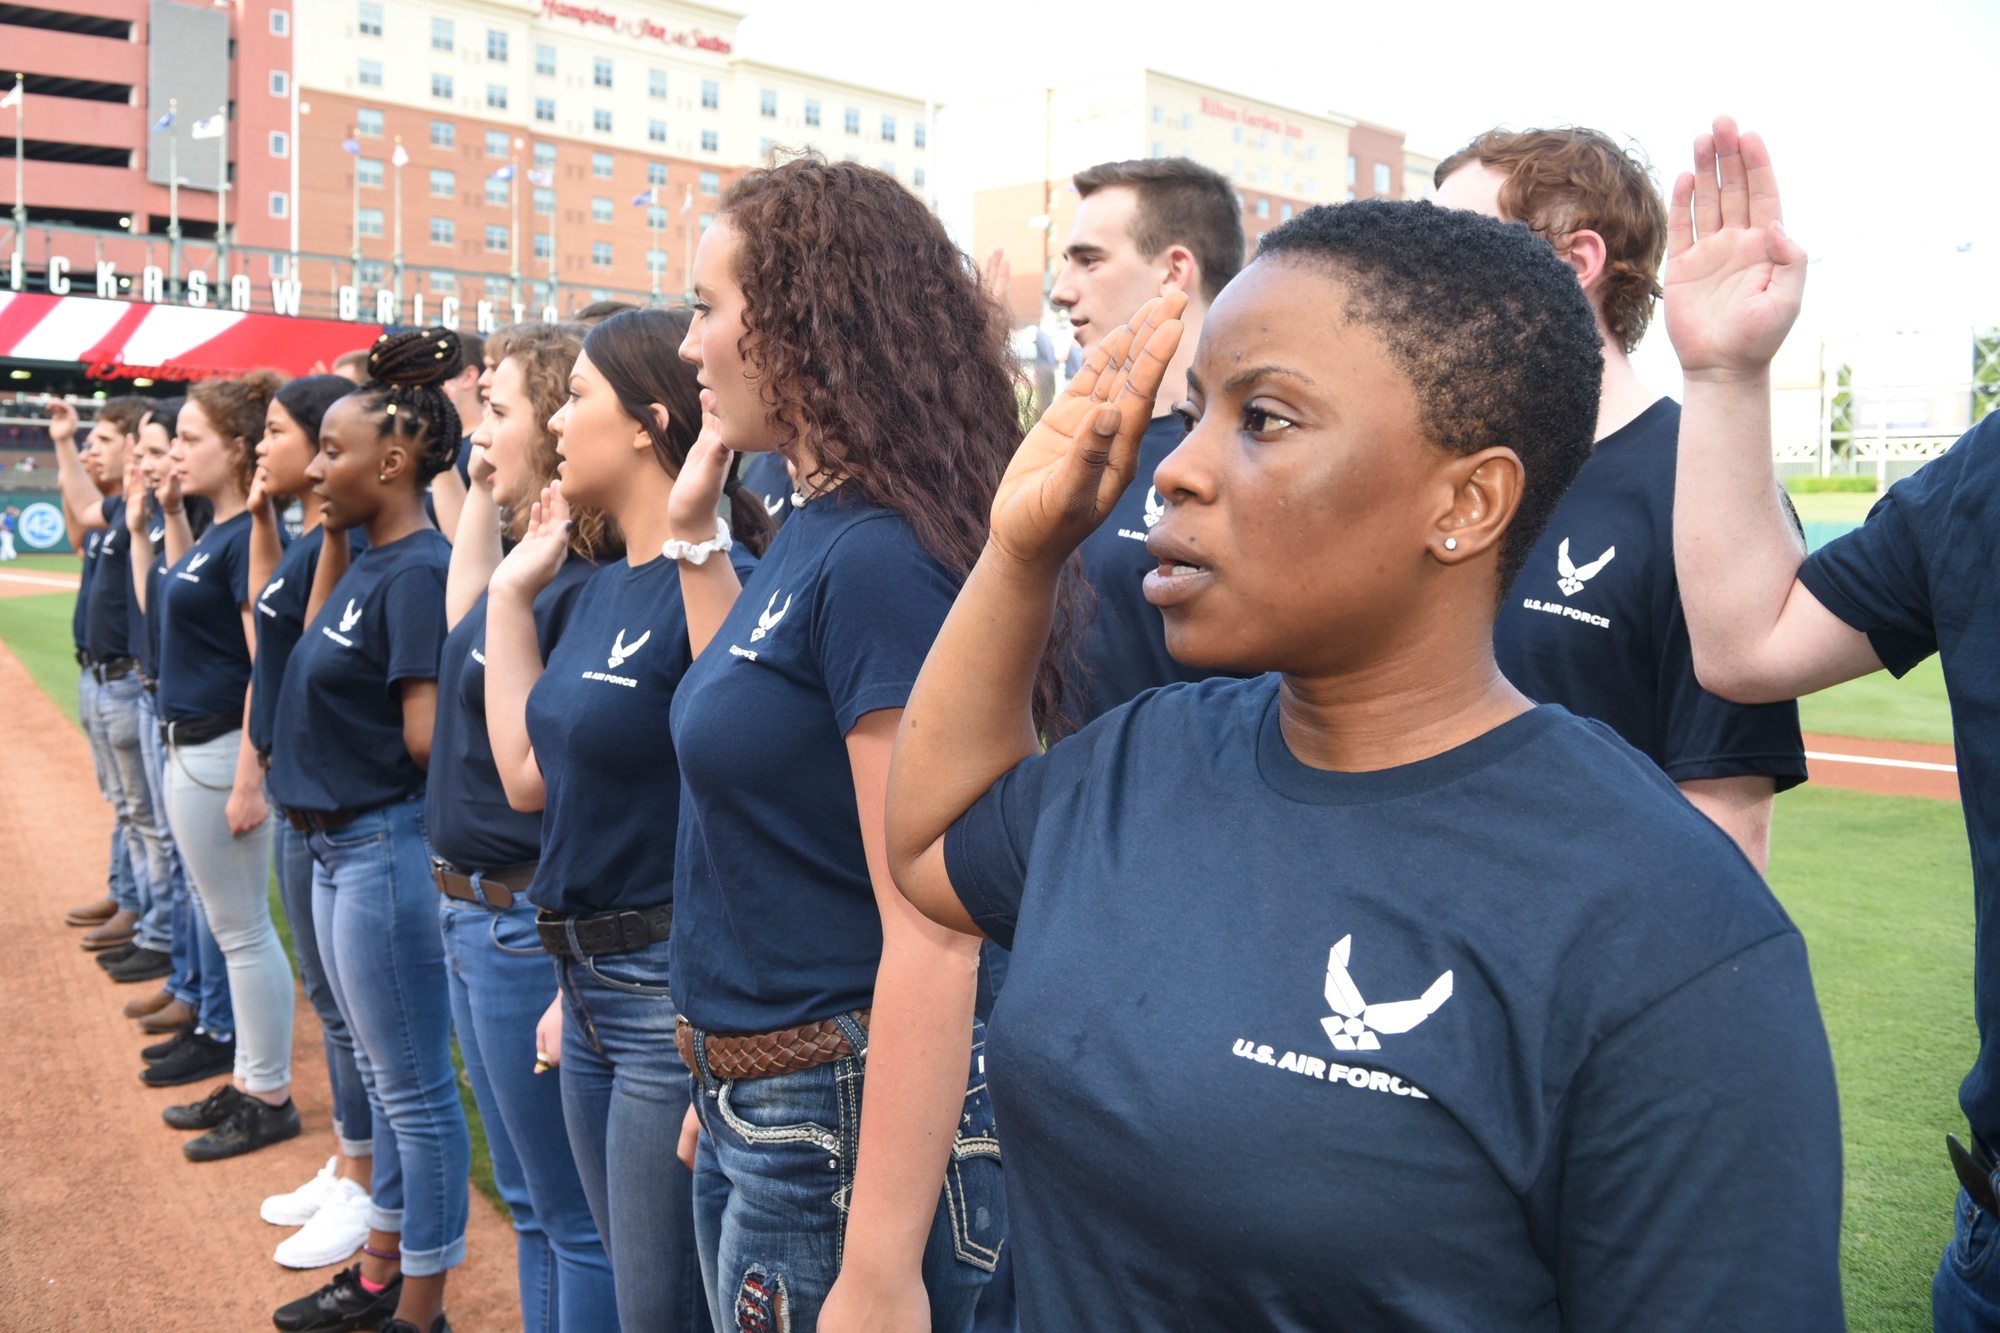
(543, 547)
(1077, 460)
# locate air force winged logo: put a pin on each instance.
(1156, 508)
(350, 617)
(772, 506)
(264, 597)
(767, 619)
(196, 561)
(1356, 1022)
(1572, 575)
(620, 650)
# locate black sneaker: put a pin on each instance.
(254, 1124)
(160, 1050)
(439, 1325)
(200, 1058)
(143, 965)
(207, 1113)
(340, 1305)
(111, 957)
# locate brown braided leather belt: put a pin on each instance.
(761, 1054)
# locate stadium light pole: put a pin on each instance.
(174, 193)
(222, 204)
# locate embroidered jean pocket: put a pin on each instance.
(974, 1194)
(802, 1107)
(1973, 1238)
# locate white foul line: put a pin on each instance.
(55, 581)
(1884, 763)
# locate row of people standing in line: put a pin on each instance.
(749, 850)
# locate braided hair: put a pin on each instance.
(407, 373)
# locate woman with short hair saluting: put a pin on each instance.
(349, 747)
(584, 740)
(214, 786)
(484, 851)
(1504, 1033)
(837, 325)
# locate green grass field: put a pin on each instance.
(1881, 888)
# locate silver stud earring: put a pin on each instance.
(1451, 543)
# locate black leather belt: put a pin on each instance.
(321, 821)
(495, 888)
(108, 669)
(605, 933)
(199, 730)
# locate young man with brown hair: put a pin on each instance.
(1143, 228)
(1594, 622)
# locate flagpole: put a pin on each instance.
(555, 211)
(514, 232)
(222, 208)
(174, 194)
(356, 256)
(687, 247)
(20, 178)
(396, 159)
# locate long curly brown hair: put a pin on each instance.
(881, 355)
(546, 353)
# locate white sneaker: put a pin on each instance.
(297, 1208)
(334, 1234)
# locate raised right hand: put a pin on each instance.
(530, 566)
(62, 421)
(167, 490)
(697, 493)
(135, 494)
(260, 491)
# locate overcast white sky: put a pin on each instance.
(1883, 117)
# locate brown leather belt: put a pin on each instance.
(604, 933)
(322, 821)
(496, 888)
(761, 1054)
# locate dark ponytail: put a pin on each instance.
(306, 400)
(407, 373)
(638, 353)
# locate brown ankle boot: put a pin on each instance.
(96, 914)
(149, 1004)
(121, 927)
(170, 1017)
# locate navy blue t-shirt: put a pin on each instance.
(766, 476)
(107, 624)
(143, 627)
(598, 719)
(1124, 652)
(1510, 1038)
(465, 807)
(79, 618)
(775, 922)
(337, 743)
(204, 659)
(1594, 622)
(1918, 578)
(281, 619)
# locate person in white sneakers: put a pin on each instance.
(331, 1213)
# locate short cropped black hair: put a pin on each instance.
(1491, 327)
(1181, 202)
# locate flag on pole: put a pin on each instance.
(165, 122)
(505, 173)
(687, 200)
(545, 179)
(399, 157)
(351, 147)
(13, 97)
(212, 128)
(651, 196)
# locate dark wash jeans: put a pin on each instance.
(772, 1178)
(1965, 1294)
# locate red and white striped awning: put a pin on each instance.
(133, 340)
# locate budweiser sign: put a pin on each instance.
(591, 16)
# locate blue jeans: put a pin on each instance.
(772, 1177)
(130, 785)
(501, 982)
(1965, 1294)
(375, 912)
(625, 1094)
(353, 1122)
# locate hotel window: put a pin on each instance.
(710, 141)
(711, 183)
(1285, 148)
(656, 173)
(888, 168)
(281, 205)
(917, 177)
(851, 120)
(373, 271)
(368, 123)
(496, 45)
(888, 129)
(600, 121)
(371, 221)
(281, 144)
(765, 147)
(1187, 120)
(1312, 185)
(656, 83)
(441, 38)
(1159, 115)
(1159, 149)
(812, 111)
(545, 245)
(601, 165)
(767, 103)
(545, 201)
(1382, 178)
(1236, 134)
(600, 209)
(1353, 168)
(545, 59)
(281, 23)
(447, 283)
(370, 23)
(656, 217)
(371, 74)
(656, 261)
(444, 231)
(496, 97)
(545, 155)
(1263, 208)
(600, 71)
(1284, 212)
(600, 254)
(281, 83)
(711, 94)
(441, 86)
(496, 239)
(920, 134)
(496, 192)
(496, 143)
(1263, 174)
(1312, 152)
(444, 184)
(443, 134)
(656, 131)
(370, 170)
(545, 109)
(706, 221)
(1263, 141)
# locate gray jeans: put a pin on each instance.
(232, 876)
